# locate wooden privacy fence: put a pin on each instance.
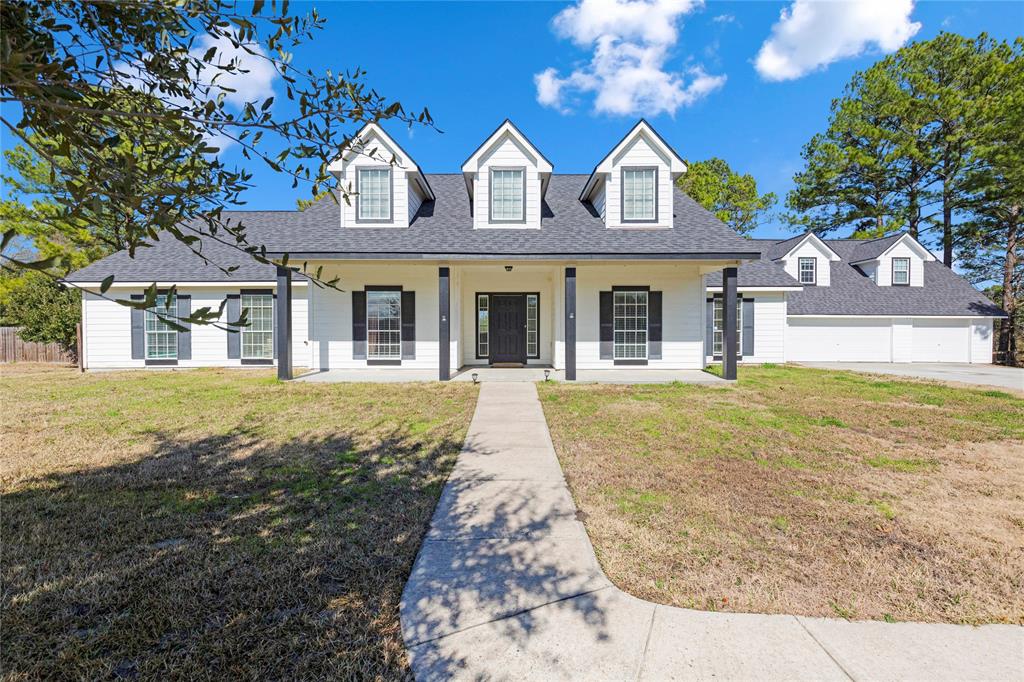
(13, 349)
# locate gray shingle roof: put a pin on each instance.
(851, 292)
(442, 228)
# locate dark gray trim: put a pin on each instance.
(255, 361)
(490, 195)
(161, 363)
(444, 355)
(799, 275)
(383, 287)
(386, 255)
(629, 287)
(408, 320)
(138, 329)
(622, 195)
(391, 191)
(729, 322)
(183, 308)
(383, 363)
(892, 275)
(234, 310)
(747, 337)
(515, 128)
(634, 361)
(358, 325)
(655, 324)
(283, 315)
(709, 328)
(606, 325)
(476, 313)
(570, 324)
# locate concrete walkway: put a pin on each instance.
(506, 586)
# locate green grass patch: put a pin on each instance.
(908, 466)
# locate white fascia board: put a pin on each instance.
(818, 241)
(762, 289)
(507, 128)
(402, 158)
(182, 285)
(921, 251)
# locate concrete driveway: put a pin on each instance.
(981, 375)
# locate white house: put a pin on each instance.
(509, 263)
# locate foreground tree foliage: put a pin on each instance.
(43, 309)
(929, 140)
(107, 93)
(732, 197)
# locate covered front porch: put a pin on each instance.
(608, 321)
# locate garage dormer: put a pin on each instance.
(807, 259)
(506, 178)
(383, 186)
(893, 261)
(632, 186)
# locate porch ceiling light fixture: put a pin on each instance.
(508, 268)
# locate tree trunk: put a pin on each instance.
(1007, 343)
(947, 212)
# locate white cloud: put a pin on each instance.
(724, 18)
(631, 42)
(811, 35)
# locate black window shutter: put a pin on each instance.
(709, 332)
(748, 327)
(234, 308)
(138, 330)
(654, 325)
(273, 315)
(607, 333)
(358, 325)
(409, 325)
(184, 338)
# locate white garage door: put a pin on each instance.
(838, 340)
(941, 341)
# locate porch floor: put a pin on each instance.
(488, 374)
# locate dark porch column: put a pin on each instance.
(284, 323)
(570, 324)
(729, 321)
(444, 351)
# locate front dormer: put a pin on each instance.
(383, 185)
(809, 261)
(506, 178)
(893, 261)
(632, 186)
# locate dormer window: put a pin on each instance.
(901, 271)
(374, 196)
(808, 268)
(639, 195)
(508, 195)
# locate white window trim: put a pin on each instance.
(905, 259)
(490, 195)
(370, 355)
(248, 329)
(646, 330)
(391, 195)
(160, 305)
(622, 195)
(800, 270)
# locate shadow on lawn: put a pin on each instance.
(222, 556)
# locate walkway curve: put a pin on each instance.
(507, 586)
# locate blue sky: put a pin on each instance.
(576, 76)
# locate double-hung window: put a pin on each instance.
(161, 338)
(384, 325)
(639, 194)
(507, 197)
(373, 201)
(901, 271)
(808, 269)
(258, 336)
(718, 327)
(629, 325)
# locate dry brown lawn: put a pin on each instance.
(214, 524)
(803, 491)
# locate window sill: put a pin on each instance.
(161, 363)
(631, 362)
(383, 363)
(254, 361)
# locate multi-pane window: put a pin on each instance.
(901, 271)
(384, 325)
(638, 193)
(483, 337)
(258, 337)
(532, 349)
(719, 327)
(374, 199)
(808, 269)
(507, 194)
(161, 338)
(629, 324)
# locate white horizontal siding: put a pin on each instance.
(809, 249)
(506, 153)
(769, 328)
(902, 339)
(401, 209)
(641, 152)
(106, 326)
(982, 337)
(901, 250)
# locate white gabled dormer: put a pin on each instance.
(506, 178)
(898, 262)
(385, 185)
(809, 261)
(632, 186)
